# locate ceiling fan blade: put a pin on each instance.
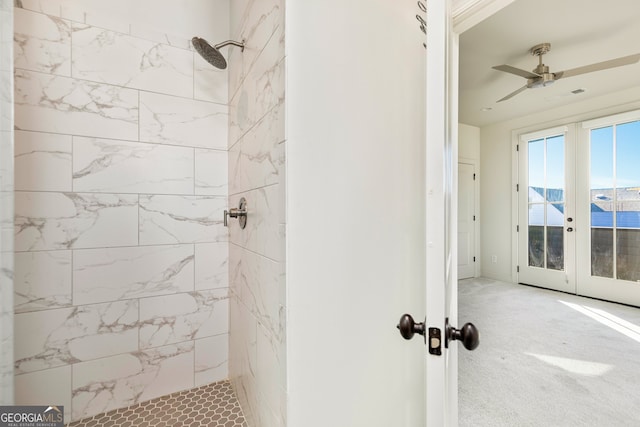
(612, 63)
(517, 71)
(512, 94)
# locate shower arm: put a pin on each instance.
(231, 42)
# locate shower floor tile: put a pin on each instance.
(212, 405)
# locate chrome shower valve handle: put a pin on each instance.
(240, 212)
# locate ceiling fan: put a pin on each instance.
(541, 77)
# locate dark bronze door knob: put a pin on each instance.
(408, 328)
(468, 335)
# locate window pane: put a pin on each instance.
(536, 170)
(601, 182)
(601, 159)
(602, 252)
(555, 214)
(628, 253)
(555, 248)
(555, 169)
(628, 155)
(536, 246)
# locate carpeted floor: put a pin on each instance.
(547, 359)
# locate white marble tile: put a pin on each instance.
(42, 161)
(47, 221)
(49, 387)
(259, 155)
(260, 21)
(50, 7)
(69, 335)
(211, 265)
(170, 120)
(63, 105)
(242, 357)
(256, 280)
(105, 165)
(6, 329)
(210, 83)
(181, 219)
(268, 370)
(104, 17)
(262, 234)
(126, 379)
(147, 33)
(122, 60)
(211, 359)
(176, 318)
(247, 237)
(211, 176)
(122, 273)
(41, 43)
(42, 280)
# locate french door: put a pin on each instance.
(546, 231)
(579, 208)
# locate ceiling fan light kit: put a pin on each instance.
(542, 77)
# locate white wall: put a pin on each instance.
(497, 190)
(468, 142)
(355, 212)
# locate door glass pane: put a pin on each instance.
(555, 169)
(536, 246)
(602, 201)
(536, 170)
(628, 201)
(546, 185)
(555, 236)
(602, 252)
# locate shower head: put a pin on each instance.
(212, 54)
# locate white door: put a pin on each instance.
(441, 328)
(608, 222)
(546, 237)
(466, 220)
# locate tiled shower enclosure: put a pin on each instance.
(121, 264)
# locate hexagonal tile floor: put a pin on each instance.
(212, 405)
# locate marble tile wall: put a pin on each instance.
(121, 257)
(6, 203)
(257, 144)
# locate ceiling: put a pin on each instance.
(581, 32)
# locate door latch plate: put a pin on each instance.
(435, 341)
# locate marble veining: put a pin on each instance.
(178, 121)
(123, 380)
(181, 317)
(212, 265)
(70, 335)
(211, 359)
(42, 280)
(63, 105)
(181, 219)
(122, 60)
(131, 167)
(45, 221)
(42, 42)
(121, 273)
(43, 161)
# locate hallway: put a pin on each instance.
(547, 358)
